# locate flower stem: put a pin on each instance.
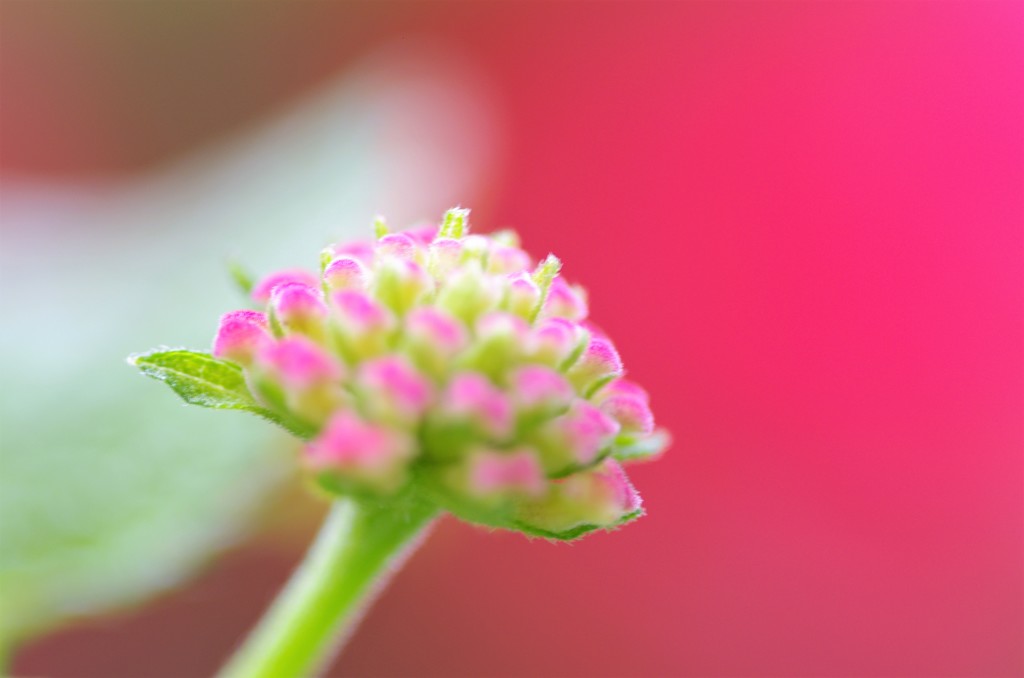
(358, 546)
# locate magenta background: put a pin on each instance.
(804, 225)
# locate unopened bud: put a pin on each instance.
(475, 250)
(564, 301)
(556, 342)
(599, 497)
(361, 250)
(264, 288)
(362, 325)
(240, 335)
(467, 294)
(390, 389)
(506, 237)
(522, 295)
(599, 364)
(298, 374)
(508, 260)
(433, 338)
(423, 235)
(499, 474)
(501, 340)
(299, 308)
(541, 389)
(298, 363)
(399, 283)
(628, 404)
(398, 245)
(443, 257)
(623, 387)
(473, 399)
(577, 438)
(353, 452)
(345, 273)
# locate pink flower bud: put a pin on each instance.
(508, 260)
(501, 340)
(472, 397)
(539, 388)
(298, 364)
(554, 341)
(441, 330)
(240, 335)
(392, 389)
(631, 411)
(467, 293)
(299, 376)
(564, 301)
(363, 325)
(494, 474)
(299, 308)
(262, 291)
(361, 452)
(522, 296)
(345, 273)
(423, 235)
(443, 256)
(625, 388)
(361, 251)
(359, 312)
(399, 283)
(586, 430)
(598, 497)
(576, 438)
(475, 248)
(501, 324)
(398, 245)
(603, 494)
(433, 338)
(599, 363)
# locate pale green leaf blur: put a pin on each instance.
(110, 488)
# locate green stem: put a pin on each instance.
(358, 546)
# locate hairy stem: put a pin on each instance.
(358, 546)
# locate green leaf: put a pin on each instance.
(200, 379)
(242, 277)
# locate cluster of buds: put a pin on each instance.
(450, 365)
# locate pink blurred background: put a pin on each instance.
(802, 222)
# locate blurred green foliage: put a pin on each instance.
(110, 490)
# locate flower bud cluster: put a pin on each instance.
(453, 365)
